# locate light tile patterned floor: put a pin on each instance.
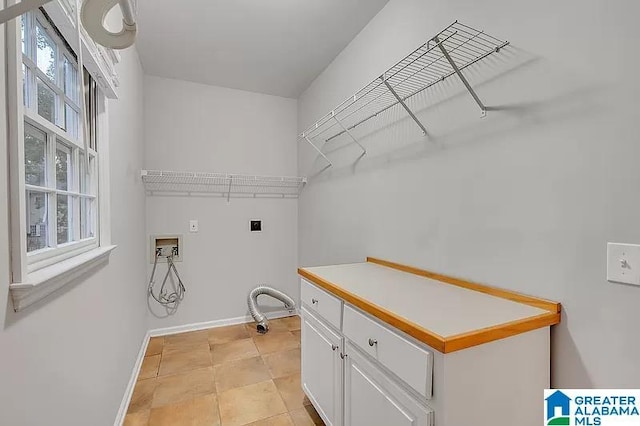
(228, 376)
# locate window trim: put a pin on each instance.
(57, 138)
(37, 274)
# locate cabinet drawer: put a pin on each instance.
(321, 303)
(411, 363)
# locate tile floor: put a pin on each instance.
(223, 376)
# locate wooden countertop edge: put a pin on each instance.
(500, 331)
(451, 343)
(536, 302)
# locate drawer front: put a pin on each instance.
(321, 303)
(408, 361)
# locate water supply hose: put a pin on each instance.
(259, 317)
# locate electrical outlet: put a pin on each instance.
(193, 226)
(623, 263)
(256, 226)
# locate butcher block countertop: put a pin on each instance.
(446, 313)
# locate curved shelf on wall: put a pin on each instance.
(447, 53)
(163, 182)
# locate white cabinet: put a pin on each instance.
(372, 399)
(322, 368)
(346, 388)
(420, 352)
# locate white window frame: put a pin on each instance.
(39, 273)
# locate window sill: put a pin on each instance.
(42, 283)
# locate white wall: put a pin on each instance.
(68, 359)
(193, 127)
(524, 199)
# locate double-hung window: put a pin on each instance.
(59, 172)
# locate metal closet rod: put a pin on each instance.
(384, 82)
(412, 75)
(165, 181)
(416, 92)
(354, 98)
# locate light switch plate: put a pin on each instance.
(193, 226)
(623, 263)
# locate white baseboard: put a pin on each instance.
(124, 405)
(217, 323)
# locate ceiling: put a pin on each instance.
(276, 47)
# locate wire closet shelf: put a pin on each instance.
(158, 182)
(449, 52)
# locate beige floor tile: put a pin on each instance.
(155, 346)
(181, 387)
(188, 347)
(240, 373)
(283, 363)
(141, 418)
(290, 388)
(274, 325)
(278, 324)
(291, 323)
(201, 411)
(251, 403)
(142, 395)
(276, 342)
(239, 349)
(281, 420)
(185, 341)
(306, 416)
(177, 361)
(149, 368)
(227, 334)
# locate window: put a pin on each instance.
(60, 175)
(60, 228)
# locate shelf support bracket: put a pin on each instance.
(404, 105)
(229, 190)
(462, 77)
(347, 131)
(317, 149)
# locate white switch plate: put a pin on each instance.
(623, 263)
(193, 226)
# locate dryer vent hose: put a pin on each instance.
(252, 301)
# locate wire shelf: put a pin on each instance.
(449, 52)
(227, 185)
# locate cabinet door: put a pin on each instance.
(322, 368)
(373, 399)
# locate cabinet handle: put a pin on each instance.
(343, 356)
(334, 347)
(372, 342)
(314, 301)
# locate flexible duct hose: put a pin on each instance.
(252, 301)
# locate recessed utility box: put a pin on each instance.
(168, 244)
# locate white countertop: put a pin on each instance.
(444, 309)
